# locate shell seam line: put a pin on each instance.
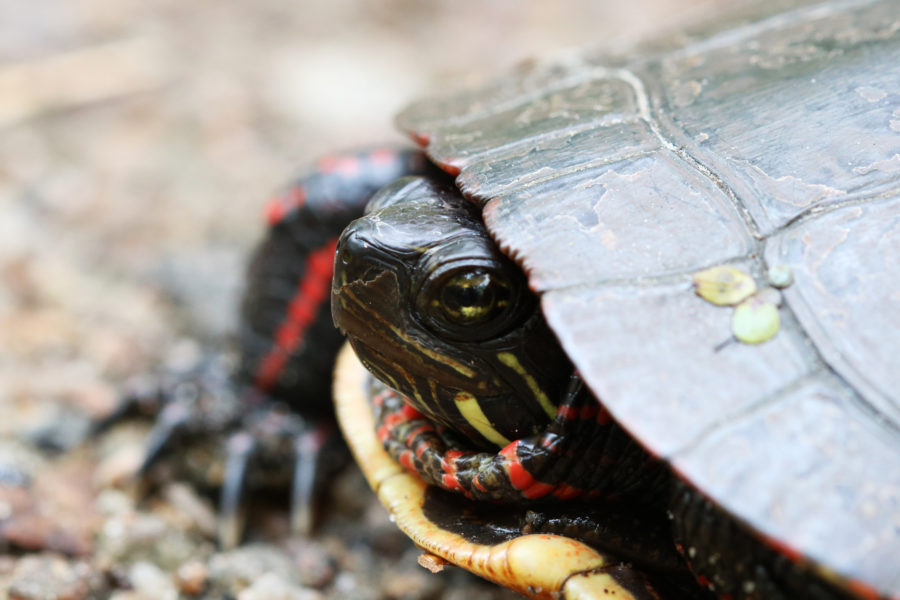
(556, 134)
(824, 209)
(643, 101)
(568, 81)
(758, 256)
(812, 375)
(672, 277)
(798, 15)
(518, 186)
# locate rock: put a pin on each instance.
(190, 510)
(272, 587)
(313, 563)
(134, 537)
(191, 577)
(151, 582)
(42, 576)
(54, 511)
(239, 568)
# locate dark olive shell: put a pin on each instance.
(772, 144)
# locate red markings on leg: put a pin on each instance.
(312, 291)
(525, 482)
(519, 476)
(416, 432)
(565, 491)
(603, 416)
(448, 466)
(406, 459)
(346, 164)
(291, 200)
(573, 413)
(863, 590)
(382, 156)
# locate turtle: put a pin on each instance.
(570, 276)
(610, 185)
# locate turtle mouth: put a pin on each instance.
(475, 416)
(370, 314)
(458, 389)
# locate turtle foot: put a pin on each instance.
(231, 440)
(273, 451)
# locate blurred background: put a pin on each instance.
(139, 142)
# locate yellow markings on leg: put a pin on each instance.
(471, 411)
(509, 359)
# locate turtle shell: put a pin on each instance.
(772, 144)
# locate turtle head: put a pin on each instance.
(434, 310)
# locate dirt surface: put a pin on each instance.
(138, 144)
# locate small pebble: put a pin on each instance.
(120, 467)
(191, 578)
(241, 566)
(42, 576)
(152, 582)
(195, 511)
(139, 536)
(432, 562)
(314, 567)
(409, 584)
(272, 587)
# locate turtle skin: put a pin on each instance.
(765, 143)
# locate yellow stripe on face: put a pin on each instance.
(471, 411)
(509, 359)
(408, 341)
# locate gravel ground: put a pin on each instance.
(138, 143)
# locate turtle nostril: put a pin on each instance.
(354, 262)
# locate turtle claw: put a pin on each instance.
(239, 450)
(143, 398)
(256, 457)
(306, 455)
(203, 418)
(313, 458)
(172, 420)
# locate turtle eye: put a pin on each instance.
(473, 297)
(472, 304)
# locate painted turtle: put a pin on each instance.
(772, 149)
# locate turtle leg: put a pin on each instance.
(287, 345)
(582, 453)
(549, 466)
(491, 540)
(276, 449)
(564, 462)
(223, 436)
